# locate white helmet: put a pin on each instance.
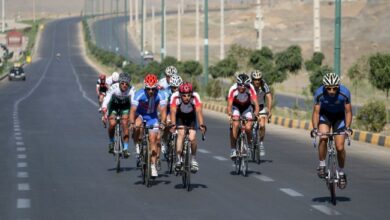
(331, 79)
(170, 70)
(175, 81)
(256, 74)
(115, 76)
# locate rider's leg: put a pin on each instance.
(125, 127)
(322, 149)
(233, 138)
(179, 143)
(339, 142)
(262, 128)
(194, 146)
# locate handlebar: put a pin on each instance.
(187, 128)
(331, 134)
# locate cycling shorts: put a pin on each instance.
(247, 113)
(151, 120)
(334, 120)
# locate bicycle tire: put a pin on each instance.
(171, 154)
(332, 189)
(148, 163)
(186, 166)
(117, 148)
(332, 175)
(244, 160)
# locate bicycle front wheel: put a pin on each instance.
(245, 157)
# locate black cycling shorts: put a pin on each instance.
(186, 119)
(334, 120)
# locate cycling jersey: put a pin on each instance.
(242, 101)
(118, 100)
(261, 92)
(332, 109)
(185, 114)
(109, 81)
(102, 86)
(163, 84)
(332, 104)
(147, 106)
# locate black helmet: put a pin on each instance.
(124, 77)
(242, 78)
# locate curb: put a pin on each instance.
(3, 77)
(362, 136)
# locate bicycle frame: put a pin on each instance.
(254, 147)
(145, 155)
(118, 145)
(243, 153)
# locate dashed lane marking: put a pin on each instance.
(291, 192)
(22, 175)
(21, 156)
(326, 210)
(220, 158)
(23, 187)
(21, 149)
(23, 203)
(22, 164)
(264, 178)
(19, 143)
(203, 151)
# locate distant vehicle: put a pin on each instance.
(147, 57)
(17, 73)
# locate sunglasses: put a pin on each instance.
(332, 88)
(123, 83)
(241, 85)
(186, 95)
(174, 87)
(148, 89)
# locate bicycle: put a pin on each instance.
(332, 176)
(170, 155)
(242, 148)
(185, 171)
(145, 155)
(118, 144)
(254, 146)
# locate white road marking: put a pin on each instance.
(23, 186)
(264, 178)
(19, 143)
(220, 158)
(18, 138)
(16, 126)
(22, 175)
(290, 192)
(326, 210)
(23, 203)
(203, 151)
(21, 156)
(21, 149)
(18, 133)
(22, 164)
(16, 129)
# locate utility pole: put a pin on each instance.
(206, 41)
(103, 7)
(126, 34)
(136, 17)
(197, 32)
(259, 25)
(2, 16)
(222, 32)
(110, 47)
(179, 32)
(317, 29)
(182, 6)
(143, 26)
(131, 12)
(34, 11)
(153, 31)
(337, 38)
(162, 51)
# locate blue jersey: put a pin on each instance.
(334, 104)
(148, 105)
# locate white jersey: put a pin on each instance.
(109, 81)
(163, 84)
(117, 96)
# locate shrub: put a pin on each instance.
(372, 116)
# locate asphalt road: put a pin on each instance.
(54, 162)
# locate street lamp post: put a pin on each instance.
(337, 46)
(206, 41)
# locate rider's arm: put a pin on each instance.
(97, 89)
(316, 116)
(255, 102)
(163, 113)
(133, 109)
(269, 101)
(198, 109)
(107, 98)
(348, 115)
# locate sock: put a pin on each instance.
(322, 163)
(193, 157)
(341, 171)
(125, 146)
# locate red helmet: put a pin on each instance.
(102, 76)
(186, 88)
(150, 81)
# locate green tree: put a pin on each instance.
(224, 68)
(152, 67)
(358, 72)
(316, 77)
(380, 72)
(290, 60)
(214, 89)
(372, 116)
(192, 67)
(240, 54)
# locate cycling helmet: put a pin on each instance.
(242, 78)
(102, 76)
(170, 71)
(186, 88)
(331, 79)
(256, 74)
(124, 77)
(115, 76)
(150, 81)
(175, 81)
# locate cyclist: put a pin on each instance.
(101, 89)
(174, 83)
(117, 102)
(263, 92)
(163, 84)
(241, 100)
(186, 109)
(144, 106)
(112, 79)
(332, 109)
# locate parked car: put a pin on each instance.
(17, 73)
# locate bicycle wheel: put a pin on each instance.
(117, 147)
(171, 154)
(147, 164)
(245, 157)
(332, 189)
